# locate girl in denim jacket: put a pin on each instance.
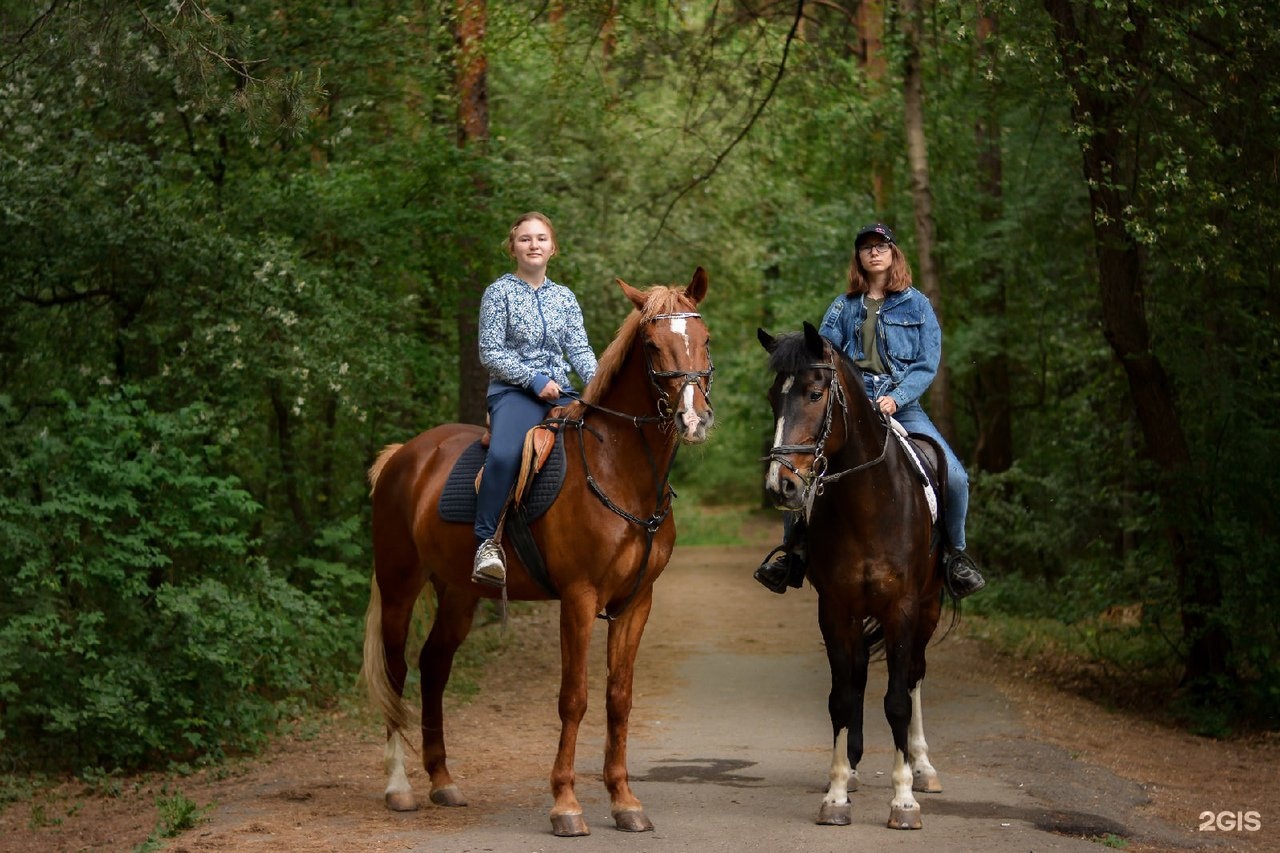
(531, 332)
(890, 330)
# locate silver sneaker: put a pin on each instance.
(488, 568)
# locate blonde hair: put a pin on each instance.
(899, 273)
(525, 217)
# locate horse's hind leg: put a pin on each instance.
(924, 776)
(624, 640)
(904, 811)
(454, 615)
(923, 773)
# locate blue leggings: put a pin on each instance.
(511, 414)
(914, 419)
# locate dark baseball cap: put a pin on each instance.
(877, 229)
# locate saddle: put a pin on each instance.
(930, 465)
(538, 484)
(538, 444)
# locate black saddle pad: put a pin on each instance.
(458, 501)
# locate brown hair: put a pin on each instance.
(522, 219)
(899, 273)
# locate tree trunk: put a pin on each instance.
(1109, 168)
(473, 132)
(871, 58)
(940, 407)
(288, 457)
(993, 451)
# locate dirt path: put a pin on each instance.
(728, 750)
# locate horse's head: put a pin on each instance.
(805, 394)
(677, 354)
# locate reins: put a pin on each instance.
(661, 480)
(818, 478)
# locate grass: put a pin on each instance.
(700, 523)
(1121, 666)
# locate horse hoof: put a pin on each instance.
(927, 783)
(633, 820)
(569, 825)
(449, 795)
(904, 818)
(835, 814)
(401, 801)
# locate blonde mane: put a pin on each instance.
(660, 299)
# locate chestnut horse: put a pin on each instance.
(604, 541)
(871, 556)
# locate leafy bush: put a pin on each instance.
(137, 624)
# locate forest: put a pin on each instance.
(242, 247)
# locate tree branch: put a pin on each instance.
(720, 158)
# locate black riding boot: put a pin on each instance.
(784, 566)
(961, 575)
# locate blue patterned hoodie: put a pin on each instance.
(530, 336)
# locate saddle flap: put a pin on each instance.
(538, 444)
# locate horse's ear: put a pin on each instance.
(767, 340)
(813, 341)
(697, 286)
(637, 297)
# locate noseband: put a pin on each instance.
(817, 479)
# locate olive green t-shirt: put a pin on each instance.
(871, 361)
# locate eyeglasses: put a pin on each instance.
(875, 248)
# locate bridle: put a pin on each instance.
(665, 417)
(815, 482)
(691, 377)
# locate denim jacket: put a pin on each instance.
(526, 335)
(907, 334)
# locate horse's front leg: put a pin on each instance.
(925, 777)
(847, 658)
(454, 616)
(904, 811)
(576, 615)
(624, 642)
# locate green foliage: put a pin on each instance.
(138, 622)
(178, 813)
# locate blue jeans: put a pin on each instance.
(512, 413)
(914, 419)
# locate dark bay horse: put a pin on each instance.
(871, 556)
(604, 541)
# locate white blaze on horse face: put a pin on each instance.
(773, 481)
(681, 327)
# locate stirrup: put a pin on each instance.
(773, 572)
(961, 575)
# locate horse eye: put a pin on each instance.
(815, 396)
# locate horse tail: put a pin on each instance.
(374, 669)
(873, 638)
(376, 468)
